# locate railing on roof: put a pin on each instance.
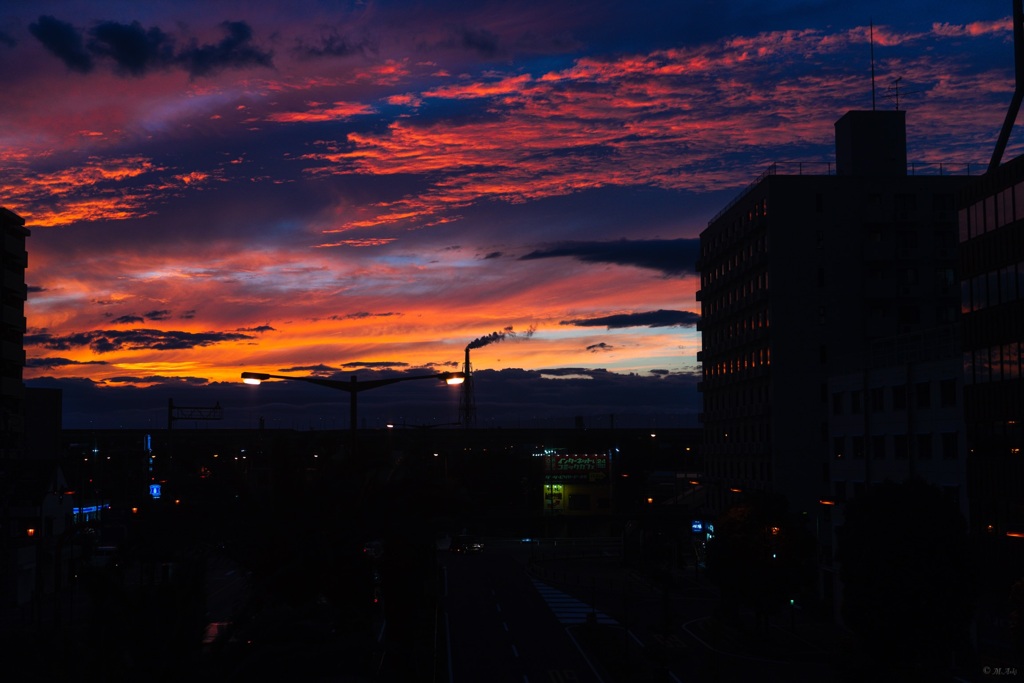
(808, 168)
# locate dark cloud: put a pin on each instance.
(331, 44)
(363, 314)
(660, 318)
(35, 289)
(493, 255)
(594, 348)
(64, 41)
(671, 257)
(480, 41)
(132, 319)
(57, 362)
(105, 341)
(375, 364)
(259, 328)
(319, 369)
(128, 320)
(188, 315)
(135, 50)
(158, 379)
(234, 51)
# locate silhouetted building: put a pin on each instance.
(992, 281)
(44, 417)
(826, 300)
(13, 294)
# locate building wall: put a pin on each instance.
(13, 293)
(992, 288)
(803, 278)
(896, 423)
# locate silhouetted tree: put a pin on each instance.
(760, 557)
(904, 563)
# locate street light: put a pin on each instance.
(354, 386)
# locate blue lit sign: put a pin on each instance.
(154, 490)
(697, 526)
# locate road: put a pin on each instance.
(673, 628)
(512, 620)
(502, 626)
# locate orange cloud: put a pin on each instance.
(339, 111)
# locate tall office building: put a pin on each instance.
(13, 294)
(827, 300)
(992, 275)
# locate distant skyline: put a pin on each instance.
(329, 188)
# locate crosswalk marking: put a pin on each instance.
(567, 609)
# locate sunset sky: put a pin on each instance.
(317, 187)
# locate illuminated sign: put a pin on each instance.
(697, 526)
(576, 468)
(154, 490)
(88, 512)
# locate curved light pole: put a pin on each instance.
(354, 386)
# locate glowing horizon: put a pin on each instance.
(370, 188)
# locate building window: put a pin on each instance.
(837, 403)
(1018, 199)
(899, 398)
(924, 446)
(1011, 361)
(981, 366)
(945, 277)
(905, 206)
(1008, 283)
(979, 292)
(947, 393)
(855, 402)
(878, 447)
(950, 446)
(900, 447)
(1004, 206)
(877, 400)
(858, 446)
(838, 444)
(909, 315)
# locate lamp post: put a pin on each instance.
(354, 386)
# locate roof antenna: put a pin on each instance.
(872, 37)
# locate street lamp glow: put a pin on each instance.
(353, 387)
